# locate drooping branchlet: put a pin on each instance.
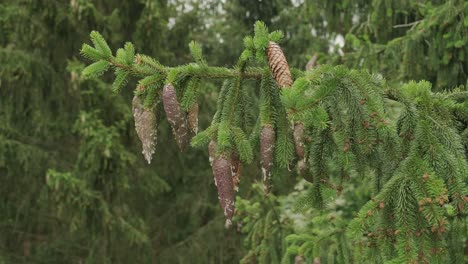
(145, 126)
(278, 65)
(176, 117)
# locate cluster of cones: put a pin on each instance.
(226, 167)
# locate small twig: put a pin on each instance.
(408, 24)
(312, 62)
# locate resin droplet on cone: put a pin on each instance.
(223, 176)
(145, 126)
(176, 117)
(278, 65)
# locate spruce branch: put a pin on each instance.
(340, 119)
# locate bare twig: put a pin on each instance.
(312, 62)
(408, 24)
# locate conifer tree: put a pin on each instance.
(72, 188)
(416, 158)
(75, 184)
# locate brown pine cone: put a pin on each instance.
(278, 65)
(145, 126)
(299, 139)
(176, 117)
(267, 146)
(223, 180)
(193, 118)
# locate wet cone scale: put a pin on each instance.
(278, 65)
(145, 126)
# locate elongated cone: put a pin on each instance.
(176, 117)
(145, 126)
(299, 139)
(267, 146)
(222, 174)
(193, 118)
(236, 170)
(278, 65)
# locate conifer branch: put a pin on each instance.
(339, 116)
(205, 72)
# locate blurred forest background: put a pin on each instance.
(74, 187)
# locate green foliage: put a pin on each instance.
(432, 32)
(386, 160)
(260, 39)
(196, 52)
(96, 69)
(259, 219)
(120, 80)
(110, 207)
(100, 44)
(351, 133)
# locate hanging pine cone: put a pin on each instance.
(193, 118)
(278, 65)
(223, 181)
(299, 139)
(236, 170)
(145, 126)
(176, 117)
(267, 145)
